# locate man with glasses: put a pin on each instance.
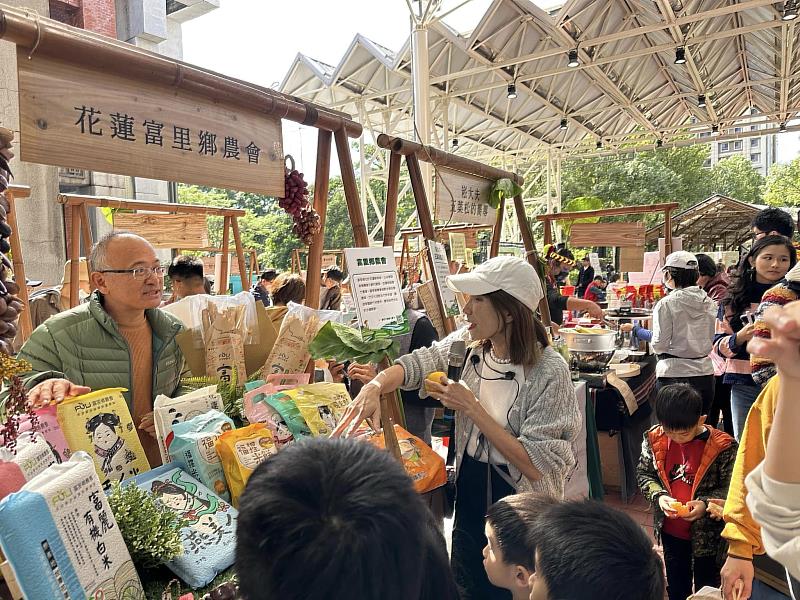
(774, 221)
(120, 338)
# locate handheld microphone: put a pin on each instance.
(455, 360)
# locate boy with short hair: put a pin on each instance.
(596, 292)
(586, 550)
(509, 554)
(684, 464)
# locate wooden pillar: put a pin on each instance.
(321, 182)
(74, 255)
(530, 252)
(86, 230)
(426, 224)
(548, 232)
(667, 232)
(494, 249)
(13, 193)
(351, 189)
(392, 192)
(237, 240)
(222, 284)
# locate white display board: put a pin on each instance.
(441, 270)
(375, 286)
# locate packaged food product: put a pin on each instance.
(169, 411)
(423, 465)
(258, 411)
(209, 531)
(321, 405)
(62, 540)
(224, 343)
(289, 413)
(49, 428)
(100, 424)
(241, 451)
(192, 449)
(32, 455)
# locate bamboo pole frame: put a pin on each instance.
(14, 193)
(414, 153)
(80, 230)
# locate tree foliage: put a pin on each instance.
(783, 185)
(736, 177)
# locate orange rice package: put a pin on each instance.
(423, 465)
(241, 451)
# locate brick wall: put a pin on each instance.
(99, 16)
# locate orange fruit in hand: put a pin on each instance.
(435, 377)
(680, 508)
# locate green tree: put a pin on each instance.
(736, 177)
(783, 185)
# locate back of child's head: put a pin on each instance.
(587, 550)
(512, 519)
(678, 407)
(337, 519)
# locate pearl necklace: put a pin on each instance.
(499, 361)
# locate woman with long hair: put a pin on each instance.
(765, 265)
(516, 412)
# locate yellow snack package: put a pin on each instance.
(241, 451)
(321, 405)
(100, 424)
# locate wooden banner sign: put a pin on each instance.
(631, 260)
(187, 232)
(622, 235)
(87, 119)
(463, 198)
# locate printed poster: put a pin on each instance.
(376, 289)
(441, 268)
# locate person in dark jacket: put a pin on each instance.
(331, 299)
(585, 277)
(713, 281)
(263, 289)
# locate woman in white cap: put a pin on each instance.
(516, 413)
(683, 329)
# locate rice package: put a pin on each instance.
(223, 336)
(48, 426)
(209, 531)
(258, 411)
(321, 405)
(289, 413)
(62, 540)
(100, 424)
(31, 456)
(169, 411)
(192, 449)
(423, 465)
(241, 451)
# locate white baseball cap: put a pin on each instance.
(508, 273)
(681, 260)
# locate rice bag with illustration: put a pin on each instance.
(169, 411)
(223, 336)
(32, 455)
(192, 449)
(423, 465)
(62, 540)
(288, 411)
(209, 530)
(48, 426)
(254, 408)
(258, 411)
(321, 405)
(241, 451)
(100, 424)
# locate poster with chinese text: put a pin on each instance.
(458, 247)
(463, 198)
(376, 289)
(441, 269)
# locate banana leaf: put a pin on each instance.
(342, 343)
(503, 188)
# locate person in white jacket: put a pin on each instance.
(683, 329)
(774, 485)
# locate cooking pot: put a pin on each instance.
(603, 341)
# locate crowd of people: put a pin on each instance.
(336, 518)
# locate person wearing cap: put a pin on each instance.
(516, 411)
(560, 262)
(683, 329)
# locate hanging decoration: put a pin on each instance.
(295, 202)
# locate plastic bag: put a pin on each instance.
(62, 540)
(192, 449)
(209, 533)
(321, 405)
(100, 424)
(224, 343)
(706, 593)
(241, 451)
(190, 311)
(300, 325)
(423, 465)
(33, 455)
(255, 410)
(169, 411)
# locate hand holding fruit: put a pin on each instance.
(695, 509)
(667, 505)
(714, 508)
(454, 395)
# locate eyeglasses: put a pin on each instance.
(140, 272)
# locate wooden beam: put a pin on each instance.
(531, 254)
(494, 249)
(321, 183)
(222, 276)
(24, 322)
(237, 240)
(74, 256)
(608, 212)
(163, 207)
(360, 234)
(392, 199)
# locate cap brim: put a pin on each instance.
(33, 283)
(471, 284)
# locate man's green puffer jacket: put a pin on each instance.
(84, 346)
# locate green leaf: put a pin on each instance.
(503, 188)
(108, 213)
(341, 343)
